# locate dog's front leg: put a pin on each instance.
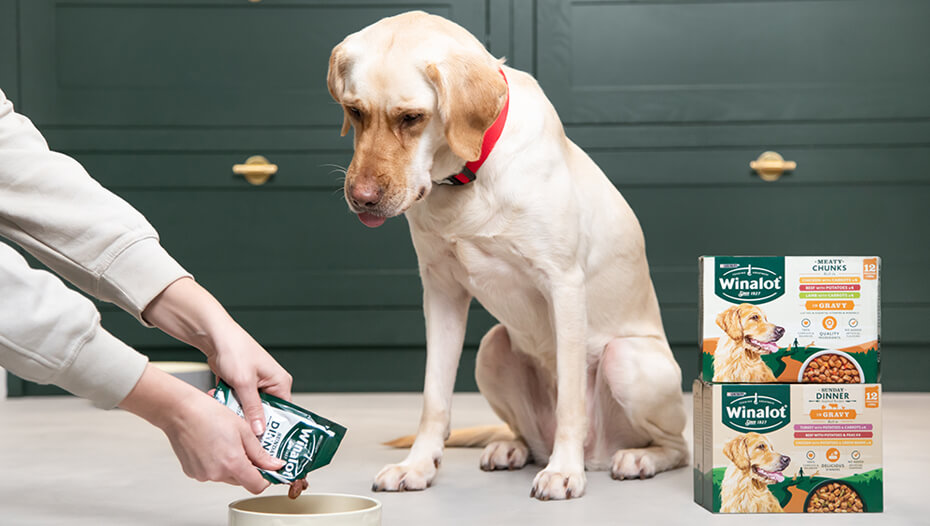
(564, 477)
(445, 305)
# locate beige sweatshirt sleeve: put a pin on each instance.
(52, 335)
(50, 206)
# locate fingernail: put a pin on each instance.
(257, 427)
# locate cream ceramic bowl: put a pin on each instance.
(197, 374)
(318, 509)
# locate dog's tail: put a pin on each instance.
(468, 437)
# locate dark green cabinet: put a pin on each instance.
(158, 99)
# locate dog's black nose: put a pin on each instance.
(366, 194)
(779, 332)
(784, 460)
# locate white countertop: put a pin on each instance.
(64, 462)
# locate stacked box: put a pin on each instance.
(790, 319)
(787, 412)
(802, 448)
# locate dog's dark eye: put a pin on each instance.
(412, 118)
(760, 446)
(755, 317)
(355, 112)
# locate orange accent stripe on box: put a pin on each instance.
(833, 414)
(829, 305)
(710, 345)
(830, 279)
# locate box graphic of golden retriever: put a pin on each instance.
(788, 448)
(784, 319)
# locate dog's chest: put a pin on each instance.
(495, 271)
(487, 264)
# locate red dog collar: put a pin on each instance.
(468, 174)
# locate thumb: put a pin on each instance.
(259, 457)
(252, 409)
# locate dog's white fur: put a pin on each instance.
(579, 366)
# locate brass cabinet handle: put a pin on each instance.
(256, 169)
(770, 166)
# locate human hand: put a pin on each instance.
(186, 311)
(239, 360)
(211, 442)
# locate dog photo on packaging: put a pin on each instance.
(754, 465)
(504, 208)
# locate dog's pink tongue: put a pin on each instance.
(777, 476)
(371, 220)
(770, 346)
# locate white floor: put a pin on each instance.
(64, 462)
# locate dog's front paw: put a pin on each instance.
(558, 485)
(633, 464)
(504, 454)
(406, 476)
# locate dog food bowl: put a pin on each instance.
(319, 509)
(830, 351)
(197, 374)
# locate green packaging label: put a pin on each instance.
(758, 408)
(752, 280)
(304, 440)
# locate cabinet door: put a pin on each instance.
(159, 99)
(175, 63)
(674, 99)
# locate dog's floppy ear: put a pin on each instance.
(736, 451)
(729, 321)
(335, 81)
(471, 94)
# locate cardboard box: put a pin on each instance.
(698, 454)
(762, 448)
(774, 319)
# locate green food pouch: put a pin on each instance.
(302, 439)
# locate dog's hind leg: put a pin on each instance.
(645, 380)
(509, 381)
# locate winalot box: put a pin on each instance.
(800, 448)
(774, 319)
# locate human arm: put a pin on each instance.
(52, 335)
(186, 311)
(50, 206)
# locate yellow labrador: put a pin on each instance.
(579, 366)
(756, 464)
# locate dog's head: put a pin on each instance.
(754, 454)
(747, 325)
(419, 91)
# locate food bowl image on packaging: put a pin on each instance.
(831, 366)
(832, 496)
(320, 509)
